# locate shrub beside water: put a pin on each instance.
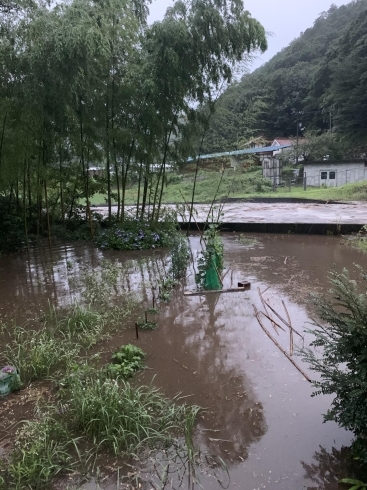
(342, 334)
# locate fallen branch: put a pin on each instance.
(279, 346)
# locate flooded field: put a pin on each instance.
(259, 420)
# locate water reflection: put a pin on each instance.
(328, 467)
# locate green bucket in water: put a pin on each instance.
(9, 380)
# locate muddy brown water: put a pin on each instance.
(259, 417)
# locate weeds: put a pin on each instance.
(37, 353)
(42, 451)
(119, 416)
(78, 324)
(147, 325)
(165, 288)
(248, 241)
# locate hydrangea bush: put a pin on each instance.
(137, 235)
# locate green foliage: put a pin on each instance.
(180, 256)
(165, 287)
(248, 241)
(343, 366)
(126, 361)
(311, 77)
(119, 416)
(42, 451)
(147, 325)
(125, 239)
(356, 484)
(37, 353)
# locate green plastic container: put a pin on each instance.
(9, 380)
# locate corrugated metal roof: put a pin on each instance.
(249, 151)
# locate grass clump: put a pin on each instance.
(37, 353)
(119, 416)
(147, 325)
(126, 361)
(42, 452)
(248, 241)
(79, 324)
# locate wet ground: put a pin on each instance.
(259, 418)
(281, 212)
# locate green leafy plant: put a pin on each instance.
(180, 256)
(356, 484)
(342, 334)
(165, 288)
(126, 361)
(147, 324)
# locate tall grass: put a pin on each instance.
(122, 417)
(37, 353)
(41, 453)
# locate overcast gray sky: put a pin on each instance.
(286, 19)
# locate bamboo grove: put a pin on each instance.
(87, 83)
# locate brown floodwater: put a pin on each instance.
(259, 418)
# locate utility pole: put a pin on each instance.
(331, 123)
(297, 138)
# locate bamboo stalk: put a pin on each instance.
(273, 324)
(291, 343)
(188, 208)
(285, 322)
(268, 317)
(279, 346)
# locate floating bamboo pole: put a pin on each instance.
(279, 346)
(266, 310)
(285, 322)
(291, 344)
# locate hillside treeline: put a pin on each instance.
(320, 80)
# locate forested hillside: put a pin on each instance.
(322, 76)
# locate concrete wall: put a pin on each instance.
(345, 172)
(272, 170)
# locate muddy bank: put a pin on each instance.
(259, 416)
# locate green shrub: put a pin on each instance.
(343, 364)
(134, 234)
(180, 256)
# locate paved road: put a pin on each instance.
(247, 212)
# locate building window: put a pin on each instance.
(332, 175)
(323, 175)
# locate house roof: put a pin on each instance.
(351, 161)
(282, 141)
(264, 149)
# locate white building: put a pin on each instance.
(335, 173)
